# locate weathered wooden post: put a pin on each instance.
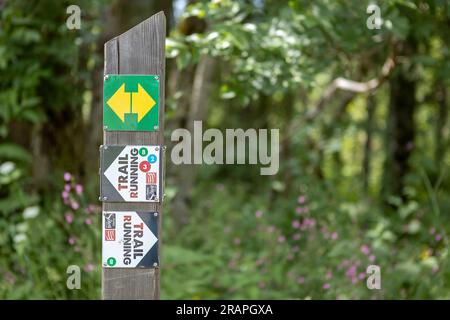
(132, 161)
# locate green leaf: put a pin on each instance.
(11, 151)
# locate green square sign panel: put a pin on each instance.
(131, 102)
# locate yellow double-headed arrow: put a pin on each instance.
(139, 102)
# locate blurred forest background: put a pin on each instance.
(364, 131)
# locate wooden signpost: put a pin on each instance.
(132, 161)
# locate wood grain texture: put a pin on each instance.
(140, 50)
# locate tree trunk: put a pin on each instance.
(400, 133)
(287, 105)
(441, 97)
(186, 174)
(371, 104)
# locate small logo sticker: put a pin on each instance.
(111, 261)
(110, 235)
(151, 192)
(110, 220)
(151, 178)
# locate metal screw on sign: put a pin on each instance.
(155, 264)
(106, 77)
(155, 214)
(105, 198)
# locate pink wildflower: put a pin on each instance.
(68, 217)
(79, 189)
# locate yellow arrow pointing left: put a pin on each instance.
(120, 102)
(142, 102)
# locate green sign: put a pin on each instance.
(131, 102)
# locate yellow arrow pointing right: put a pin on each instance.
(120, 102)
(142, 102)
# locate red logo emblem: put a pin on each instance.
(151, 177)
(110, 235)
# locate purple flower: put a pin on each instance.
(326, 286)
(295, 248)
(309, 222)
(438, 237)
(67, 187)
(301, 280)
(351, 272)
(296, 224)
(329, 275)
(237, 241)
(361, 276)
(65, 195)
(299, 210)
(258, 213)
(72, 240)
(88, 221)
(281, 239)
(68, 217)
(432, 231)
(89, 267)
(74, 205)
(296, 236)
(371, 258)
(67, 176)
(334, 235)
(365, 249)
(91, 208)
(301, 199)
(79, 189)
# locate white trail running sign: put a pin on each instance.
(130, 173)
(130, 239)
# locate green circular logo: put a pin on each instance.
(143, 152)
(111, 262)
